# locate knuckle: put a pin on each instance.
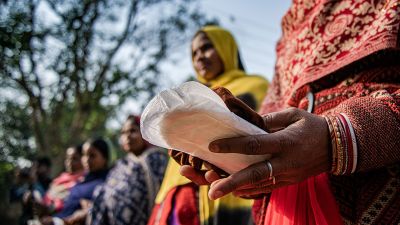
(253, 145)
(256, 175)
(293, 111)
(232, 185)
(231, 182)
(267, 120)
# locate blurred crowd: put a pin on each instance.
(89, 185)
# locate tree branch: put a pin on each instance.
(111, 54)
(32, 60)
(54, 8)
(83, 35)
(36, 108)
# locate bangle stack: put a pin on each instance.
(344, 145)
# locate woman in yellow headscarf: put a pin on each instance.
(216, 61)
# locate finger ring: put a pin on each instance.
(271, 176)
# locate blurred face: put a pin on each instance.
(42, 170)
(131, 138)
(73, 161)
(92, 159)
(206, 60)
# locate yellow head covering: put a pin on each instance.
(233, 78)
(225, 45)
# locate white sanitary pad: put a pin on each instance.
(189, 117)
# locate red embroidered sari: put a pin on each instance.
(347, 54)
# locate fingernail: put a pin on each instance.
(216, 195)
(214, 147)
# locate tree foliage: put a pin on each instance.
(68, 65)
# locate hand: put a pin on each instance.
(85, 203)
(47, 220)
(191, 167)
(299, 143)
(77, 218)
(199, 177)
(213, 173)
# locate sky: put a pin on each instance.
(256, 28)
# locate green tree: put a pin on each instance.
(69, 65)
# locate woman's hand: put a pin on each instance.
(199, 177)
(299, 143)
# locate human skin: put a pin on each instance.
(92, 159)
(131, 138)
(298, 142)
(73, 163)
(205, 58)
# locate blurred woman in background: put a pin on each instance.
(95, 162)
(128, 194)
(60, 187)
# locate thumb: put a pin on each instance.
(276, 121)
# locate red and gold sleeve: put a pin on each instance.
(365, 132)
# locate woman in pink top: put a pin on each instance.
(61, 185)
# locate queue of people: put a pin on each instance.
(332, 113)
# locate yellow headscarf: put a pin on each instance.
(225, 45)
(233, 78)
(238, 82)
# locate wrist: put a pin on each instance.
(343, 149)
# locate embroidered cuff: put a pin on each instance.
(344, 144)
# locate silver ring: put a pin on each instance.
(271, 175)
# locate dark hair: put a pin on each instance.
(100, 145)
(24, 173)
(134, 118)
(198, 33)
(44, 160)
(78, 148)
(240, 61)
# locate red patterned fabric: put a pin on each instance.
(321, 37)
(347, 53)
